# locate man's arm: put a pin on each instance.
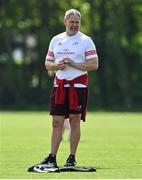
(51, 73)
(91, 64)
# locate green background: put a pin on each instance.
(110, 142)
(26, 28)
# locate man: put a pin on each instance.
(70, 55)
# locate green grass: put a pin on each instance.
(111, 142)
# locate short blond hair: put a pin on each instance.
(71, 12)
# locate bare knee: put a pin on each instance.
(74, 117)
(75, 120)
(57, 122)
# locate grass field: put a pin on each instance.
(111, 142)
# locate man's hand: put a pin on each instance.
(60, 65)
(54, 66)
(68, 61)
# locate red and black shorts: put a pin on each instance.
(56, 109)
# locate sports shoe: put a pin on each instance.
(49, 161)
(70, 161)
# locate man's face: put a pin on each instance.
(72, 24)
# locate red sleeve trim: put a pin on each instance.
(92, 52)
(50, 53)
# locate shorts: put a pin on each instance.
(56, 109)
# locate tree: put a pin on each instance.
(26, 28)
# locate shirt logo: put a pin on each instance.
(66, 50)
(75, 43)
(59, 44)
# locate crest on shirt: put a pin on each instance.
(75, 43)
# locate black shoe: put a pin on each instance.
(70, 161)
(49, 161)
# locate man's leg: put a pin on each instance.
(74, 138)
(75, 132)
(57, 125)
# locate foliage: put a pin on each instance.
(26, 28)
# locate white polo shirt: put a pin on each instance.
(78, 47)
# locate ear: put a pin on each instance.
(65, 21)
